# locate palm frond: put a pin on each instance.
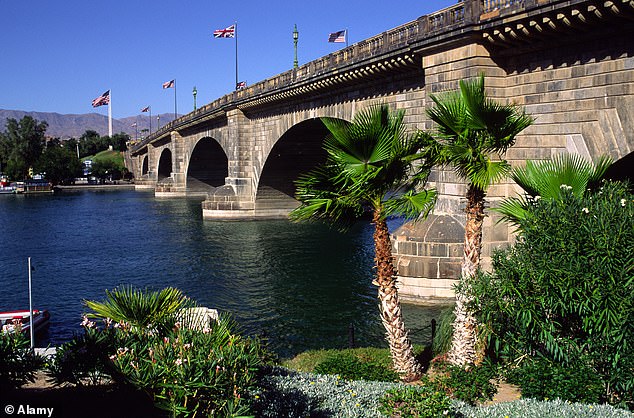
(411, 205)
(140, 308)
(514, 210)
(551, 179)
(484, 173)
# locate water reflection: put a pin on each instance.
(300, 284)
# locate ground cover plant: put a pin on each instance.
(564, 294)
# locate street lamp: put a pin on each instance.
(194, 92)
(295, 38)
(158, 122)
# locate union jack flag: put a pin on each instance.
(168, 84)
(241, 85)
(337, 36)
(104, 99)
(229, 32)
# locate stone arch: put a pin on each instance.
(164, 165)
(208, 166)
(297, 151)
(145, 166)
(622, 169)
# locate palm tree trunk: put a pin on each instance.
(390, 308)
(463, 345)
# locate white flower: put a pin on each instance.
(585, 210)
(623, 202)
(565, 187)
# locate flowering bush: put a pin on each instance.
(192, 372)
(565, 290)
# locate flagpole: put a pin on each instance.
(31, 309)
(174, 99)
(110, 114)
(236, 85)
(346, 37)
(150, 119)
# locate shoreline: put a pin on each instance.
(76, 187)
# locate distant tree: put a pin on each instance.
(119, 141)
(105, 169)
(91, 143)
(71, 144)
(21, 145)
(59, 164)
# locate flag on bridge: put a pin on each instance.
(229, 32)
(102, 100)
(338, 36)
(169, 84)
(145, 109)
(241, 85)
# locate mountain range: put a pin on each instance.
(73, 126)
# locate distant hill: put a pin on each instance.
(73, 126)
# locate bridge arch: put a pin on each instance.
(145, 166)
(208, 166)
(165, 165)
(297, 151)
(622, 169)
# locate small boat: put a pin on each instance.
(9, 319)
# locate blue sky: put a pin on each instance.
(56, 56)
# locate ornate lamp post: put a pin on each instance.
(194, 92)
(295, 38)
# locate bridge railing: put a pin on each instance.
(459, 15)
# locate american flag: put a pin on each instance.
(241, 85)
(168, 84)
(145, 109)
(337, 36)
(229, 32)
(104, 99)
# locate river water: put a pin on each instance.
(300, 285)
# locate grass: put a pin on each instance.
(107, 155)
(306, 361)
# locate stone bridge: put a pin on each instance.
(570, 63)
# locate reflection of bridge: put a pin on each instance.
(569, 62)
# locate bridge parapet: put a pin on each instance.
(459, 16)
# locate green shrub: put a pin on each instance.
(565, 290)
(83, 361)
(543, 379)
(18, 363)
(415, 402)
(350, 367)
(470, 384)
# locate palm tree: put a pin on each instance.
(547, 180)
(472, 133)
(370, 167)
